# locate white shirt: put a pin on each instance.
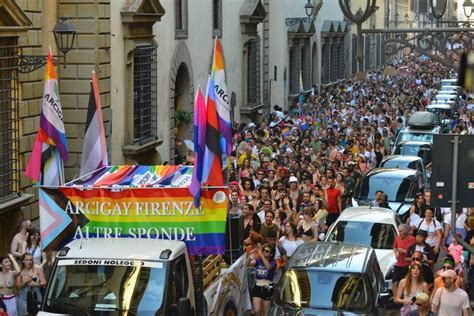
(290, 245)
(432, 228)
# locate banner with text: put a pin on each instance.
(161, 213)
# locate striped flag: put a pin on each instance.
(94, 150)
(50, 148)
(212, 164)
(199, 146)
(222, 99)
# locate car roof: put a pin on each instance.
(401, 158)
(443, 106)
(414, 143)
(392, 172)
(368, 214)
(330, 256)
(421, 130)
(123, 248)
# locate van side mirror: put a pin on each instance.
(184, 307)
(383, 299)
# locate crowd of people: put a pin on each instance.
(23, 273)
(293, 174)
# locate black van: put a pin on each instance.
(331, 279)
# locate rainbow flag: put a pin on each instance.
(300, 98)
(285, 132)
(222, 99)
(200, 122)
(212, 164)
(50, 148)
(143, 213)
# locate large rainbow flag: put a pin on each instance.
(50, 148)
(106, 205)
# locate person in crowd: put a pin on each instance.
(268, 225)
(416, 211)
(448, 264)
(434, 230)
(290, 241)
(7, 283)
(334, 201)
(449, 299)
(409, 287)
(251, 220)
(378, 198)
(30, 278)
(307, 228)
(401, 245)
(461, 218)
(20, 239)
(265, 265)
(33, 246)
(421, 252)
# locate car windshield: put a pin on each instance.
(375, 235)
(311, 288)
(441, 113)
(396, 188)
(422, 151)
(400, 164)
(85, 287)
(417, 137)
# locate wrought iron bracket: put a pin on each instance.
(29, 63)
(294, 21)
(444, 45)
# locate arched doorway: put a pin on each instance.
(183, 111)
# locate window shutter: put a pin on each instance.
(325, 64)
(354, 55)
(145, 87)
(294, 70)
(306, 65)
(253, 80)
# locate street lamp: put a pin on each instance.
(311, 9)
(64, 35)
(438, 7)
(468, 7)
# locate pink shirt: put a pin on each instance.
(455, 251)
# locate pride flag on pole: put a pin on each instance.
(94, 149)
(199, 146)
(212, 164)
(222, 99)
(50, 148)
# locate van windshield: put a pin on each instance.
(330, 290)
(112, 287)
(421, 137)
(396, 188)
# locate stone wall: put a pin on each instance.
(91, 51)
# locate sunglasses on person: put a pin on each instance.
(417, 259)
(266, 250)
(447, 268)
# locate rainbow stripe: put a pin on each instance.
(164, 213)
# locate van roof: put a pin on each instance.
(331, 256)
(123, 248)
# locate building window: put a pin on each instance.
(294, 70)
(9, 119)
(354, 54)
(181, 18)
(367, 52)
(325, 63)
(306, 64)
(253, 73)
(340, 57)
(217, 18)
(333, 60)
(144, 95)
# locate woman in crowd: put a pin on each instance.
(434, 229)
(307, 228)
(409, 287)
(33, 246)
(31, 278)
(264, 262)
(7, 283)
(247, 188)
(290, 241)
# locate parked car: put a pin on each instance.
(400, 185)
(331, 279)
(420, 149)
(369, 226)
(421, 127)
(401, 162)
(444, 113)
